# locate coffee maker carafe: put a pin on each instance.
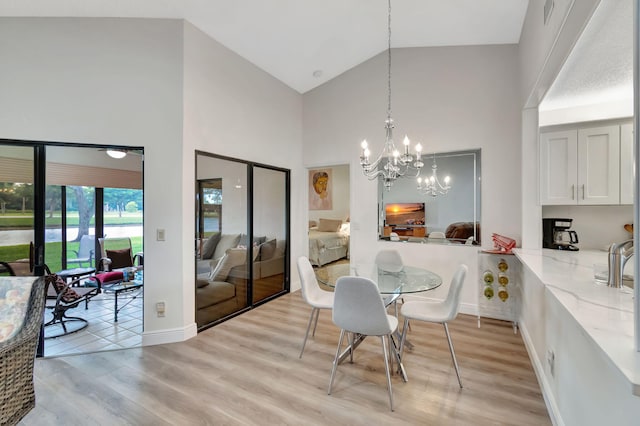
(556, 234)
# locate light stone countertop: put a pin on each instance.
(605, 313)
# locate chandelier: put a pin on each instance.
(431, 185)
(390, 164)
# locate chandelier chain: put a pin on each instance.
(389, 60)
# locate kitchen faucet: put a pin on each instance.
(619, 254)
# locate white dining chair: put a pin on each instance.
(438, 312)
(359, 309)
(316, 297)
(389, 260)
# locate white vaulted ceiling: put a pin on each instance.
(293, 39)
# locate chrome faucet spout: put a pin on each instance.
(619, 254)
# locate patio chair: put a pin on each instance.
(16, 268)
(86, 251)
(18, 351)
(61, 297)
(117, 253)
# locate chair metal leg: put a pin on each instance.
(335, 362)
(306, 335)
(315, 324)
(351, 337)
(453, 354)
(386, 367)
(404, 336)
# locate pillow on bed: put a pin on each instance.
(329, 225)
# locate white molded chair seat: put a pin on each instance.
(316, 297)
(437, 312)
(358, 309)
(389, 260)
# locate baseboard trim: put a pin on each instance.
(172, 335)
(549, 400)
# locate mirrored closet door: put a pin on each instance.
(242, 228)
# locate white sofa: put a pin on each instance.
(221, 285)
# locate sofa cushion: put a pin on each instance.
(120, 258)
(227, 241)
(215, 292)
(267, 250)
(233, 257)
(210, 245)
(108, 277)
(329, 225)
(69, 295)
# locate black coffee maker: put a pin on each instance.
(556, 234)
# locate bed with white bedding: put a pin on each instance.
(328, 246)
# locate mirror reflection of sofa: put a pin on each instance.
(222, 272)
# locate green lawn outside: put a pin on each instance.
(53, 252)
(25, 220)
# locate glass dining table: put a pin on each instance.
(392, 281)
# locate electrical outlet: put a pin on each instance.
(551, 361)
(160, 309)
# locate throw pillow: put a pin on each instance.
(120, 258)
(210, 246)
(329, 225)
(233, 257)
(227, 241)
(256, 240)
(200, 283)
(69, 295)
(267, 249)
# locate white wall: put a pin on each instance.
(234, 109)
(108, 81)
(131, 82)
(449, 99)
(597, 226)
(341, 196)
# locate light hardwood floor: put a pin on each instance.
(247, 371)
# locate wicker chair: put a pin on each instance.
(17, 355)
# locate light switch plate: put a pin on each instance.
(160, 234)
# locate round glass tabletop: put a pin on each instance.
(408, 280)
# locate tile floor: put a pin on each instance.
(101, 333)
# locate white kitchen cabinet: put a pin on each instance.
(558, 167)
(580, 166)
(626, 164)
(599, 165)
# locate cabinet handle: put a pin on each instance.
(573, 192)
(583, 191)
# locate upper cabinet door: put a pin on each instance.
(558, 172)
(599, 165)
(626, 164)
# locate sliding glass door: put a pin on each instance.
(17, 214)
(59, 199)
(241, 238)
(270, 218)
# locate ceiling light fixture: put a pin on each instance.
(431, 185)
(116, 153)
(390, 165)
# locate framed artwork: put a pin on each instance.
(320, 185)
